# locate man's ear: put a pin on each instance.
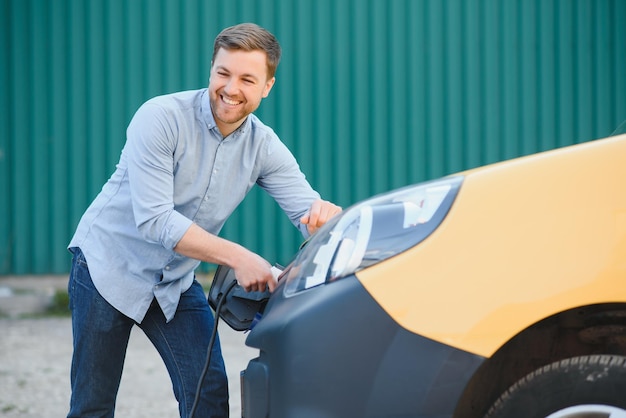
(268, 86)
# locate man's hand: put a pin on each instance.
(320, 212)
(254, 273)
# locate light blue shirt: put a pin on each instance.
(176, 169)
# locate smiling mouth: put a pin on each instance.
(230, 102)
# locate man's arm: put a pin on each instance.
(252, 271)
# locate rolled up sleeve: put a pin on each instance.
(151, 142)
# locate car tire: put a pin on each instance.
(588, 386)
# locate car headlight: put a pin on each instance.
(370, 232)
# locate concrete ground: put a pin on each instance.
(36, 349)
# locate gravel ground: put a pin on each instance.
(35, 356)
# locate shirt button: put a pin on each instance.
(167, 268)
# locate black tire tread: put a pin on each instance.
(584, 362)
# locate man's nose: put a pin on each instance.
(232, 86)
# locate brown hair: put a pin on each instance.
(250, 37)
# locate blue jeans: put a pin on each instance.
(101, 335)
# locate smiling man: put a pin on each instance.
(239, 80)
(190, 158)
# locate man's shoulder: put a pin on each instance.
(261, 129)
(175, 109)
(186, 97)
(181, 104)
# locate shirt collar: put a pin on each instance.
(207, 115)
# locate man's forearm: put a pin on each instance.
(252, 271)
(204, 246)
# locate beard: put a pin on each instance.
(230, 115)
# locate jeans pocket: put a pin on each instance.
(79, 275)
(79, 257)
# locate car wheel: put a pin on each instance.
(579, 387)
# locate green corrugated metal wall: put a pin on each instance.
(371, 95)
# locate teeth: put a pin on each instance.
(230, 102)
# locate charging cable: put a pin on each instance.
(222, 298)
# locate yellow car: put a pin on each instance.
(498, 292)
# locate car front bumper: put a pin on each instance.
(332, 351)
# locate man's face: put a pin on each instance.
(237, 85)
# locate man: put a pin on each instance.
(189, 160)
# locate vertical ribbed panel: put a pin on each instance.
(370, 95)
